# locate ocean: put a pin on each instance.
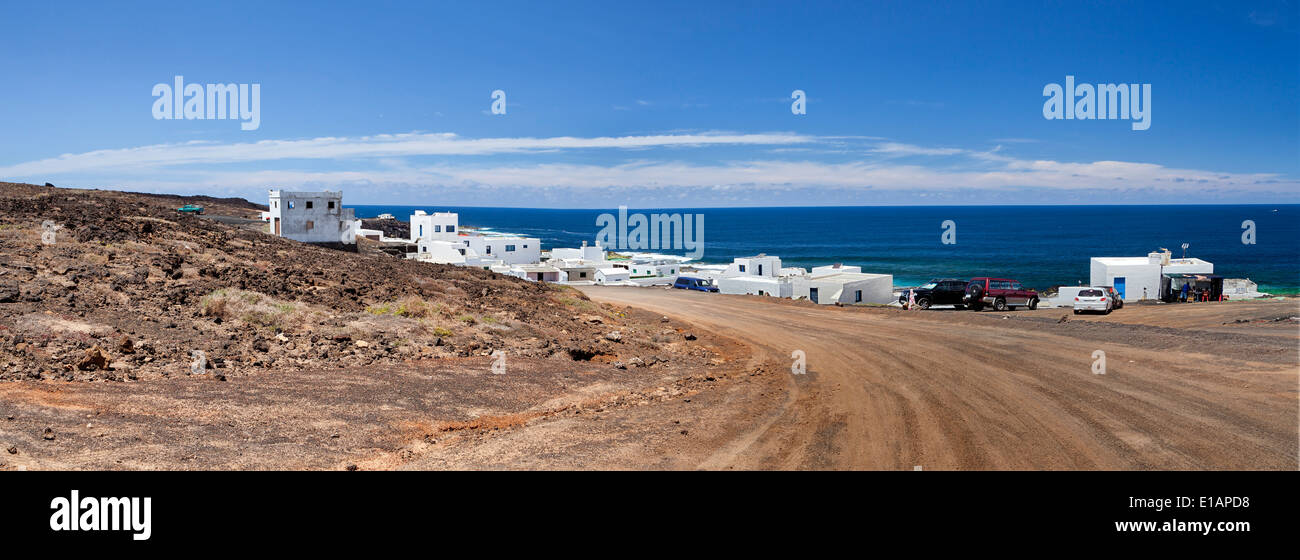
(1042, 246)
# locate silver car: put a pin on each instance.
(1093, 299)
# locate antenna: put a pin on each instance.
(1185, 246)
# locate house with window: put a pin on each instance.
(311, 217)
(612, 275)
(758, 275)
(438, 226)
(508, 249)
(845, 285)
(1155, 276)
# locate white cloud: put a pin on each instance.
(370, 164)
(384, 145)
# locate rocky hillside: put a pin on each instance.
(129, 289)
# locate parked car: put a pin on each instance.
(1093, 299)
(942, 291)
(1118, 302)
(190, 209)
(698, 284)
(1001, 293)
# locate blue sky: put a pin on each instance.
(660, 104)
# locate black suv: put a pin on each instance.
(943, 291)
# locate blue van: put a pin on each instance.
(698, 284)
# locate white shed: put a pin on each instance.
(847, 288)
(612, 275)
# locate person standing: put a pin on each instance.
(1183, 296)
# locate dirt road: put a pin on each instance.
(888, 389)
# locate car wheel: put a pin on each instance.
(1033, 304)
(1076, 311)
(923, 303)
(999, 304)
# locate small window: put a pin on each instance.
(582, 275)
(742, 268)
(421, 234)
(309, 205)
(310, 225)
(275, 204)
(525, 246)
(291, 205)
(331, 206)
(437, 228)
(489, 249)
(451, 229)
(509, 248)
(857, 296)
(462, 251)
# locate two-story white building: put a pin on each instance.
(311, 217)
(438, 226)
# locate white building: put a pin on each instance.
(761, 265)
(576, 271)
(758, 275)
(612, 275)
(846, 285)
(535, 272)
(1139, 278)
(438, 226)
(584, 253)
(652, 268)
(311, 217)
(507, 249)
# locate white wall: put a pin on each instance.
(753, 284)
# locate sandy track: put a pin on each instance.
(887, 389)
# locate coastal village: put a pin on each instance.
(147, 331)
(320, 218)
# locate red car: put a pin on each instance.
(1001, 293)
